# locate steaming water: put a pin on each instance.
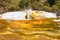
(20, 15)
(48, 14)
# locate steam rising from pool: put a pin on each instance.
(21, 15)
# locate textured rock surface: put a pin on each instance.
(21, 37)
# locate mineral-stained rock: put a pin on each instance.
(22, 37)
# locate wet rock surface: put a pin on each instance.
(21, 37)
